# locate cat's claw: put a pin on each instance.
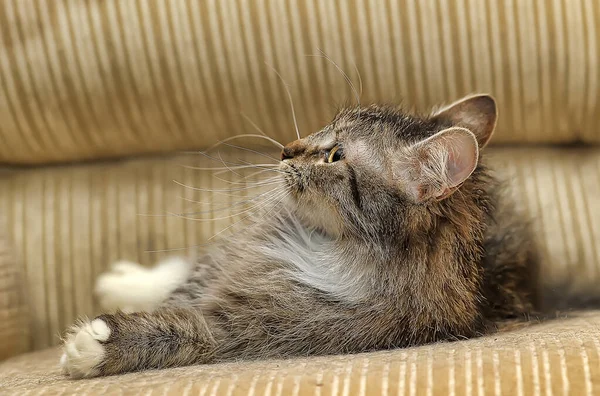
(83, 350)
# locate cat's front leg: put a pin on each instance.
(119, 343)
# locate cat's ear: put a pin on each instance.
(477, 113)
(441, 163)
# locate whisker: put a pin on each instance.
(223, 168)
(273, 206)
(178, 249)
(257, 205)
(271, 180)
(346, 77)
(205, 154)
(230, 226)
(252, 151)
(275, 142)
(253, 124)
(246, 217)
(260, 166)
(239, 203)
(210, 240)
(233, 194)
(246, 182)
(287, 90)
(342, 72)
(223, 161)
(218, 189)
(360, 82)
(253, 174)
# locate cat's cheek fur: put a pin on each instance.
(83, 351)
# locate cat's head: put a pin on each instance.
(372, 167)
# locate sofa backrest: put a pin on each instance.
(96, 79)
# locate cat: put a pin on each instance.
(392, 233)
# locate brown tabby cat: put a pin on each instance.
(393, 234)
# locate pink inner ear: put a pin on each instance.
(462, 157)
(477, 113)
(444, 161)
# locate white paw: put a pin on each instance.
(131, 287)
(82, 351)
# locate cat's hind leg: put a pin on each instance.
(120, 343)
(131, 287)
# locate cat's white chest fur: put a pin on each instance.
(317, 262)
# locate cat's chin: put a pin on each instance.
(318, 219)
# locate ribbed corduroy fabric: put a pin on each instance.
(14, 323)
(85, 80)
(560, 357)
(81, 80)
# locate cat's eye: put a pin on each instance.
(335, 154)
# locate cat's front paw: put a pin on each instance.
(83, 351)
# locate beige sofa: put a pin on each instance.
(100, 99)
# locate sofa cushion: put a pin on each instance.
(14, 324)
(70, 223)
(98, 78)
(561, 356)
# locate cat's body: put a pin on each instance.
(401, 238)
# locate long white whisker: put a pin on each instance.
(275, 142)
(227, 166)
(280, 197)
(253, 124)
(245, 177)
(246, 182)
(243, 182)
(287, 90)
(244, 218)
(178, 249)
(342, 72)
(255, 206)
(239, 203)
(205, 154)
(223, 168)
(260, 167)
(259, 129)
(209, 241)
(219, 189)
(241, 161)
(252, 151)
(360, 82)
(277, 198)
(233, 194)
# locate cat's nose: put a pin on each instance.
(286, 153)
(291, 150)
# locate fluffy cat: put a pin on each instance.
(393, 233)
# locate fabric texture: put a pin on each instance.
(559, 357)
(71, 223)
(14, 324)
(98, 79)
(82, 80)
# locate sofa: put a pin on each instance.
(106, 106)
